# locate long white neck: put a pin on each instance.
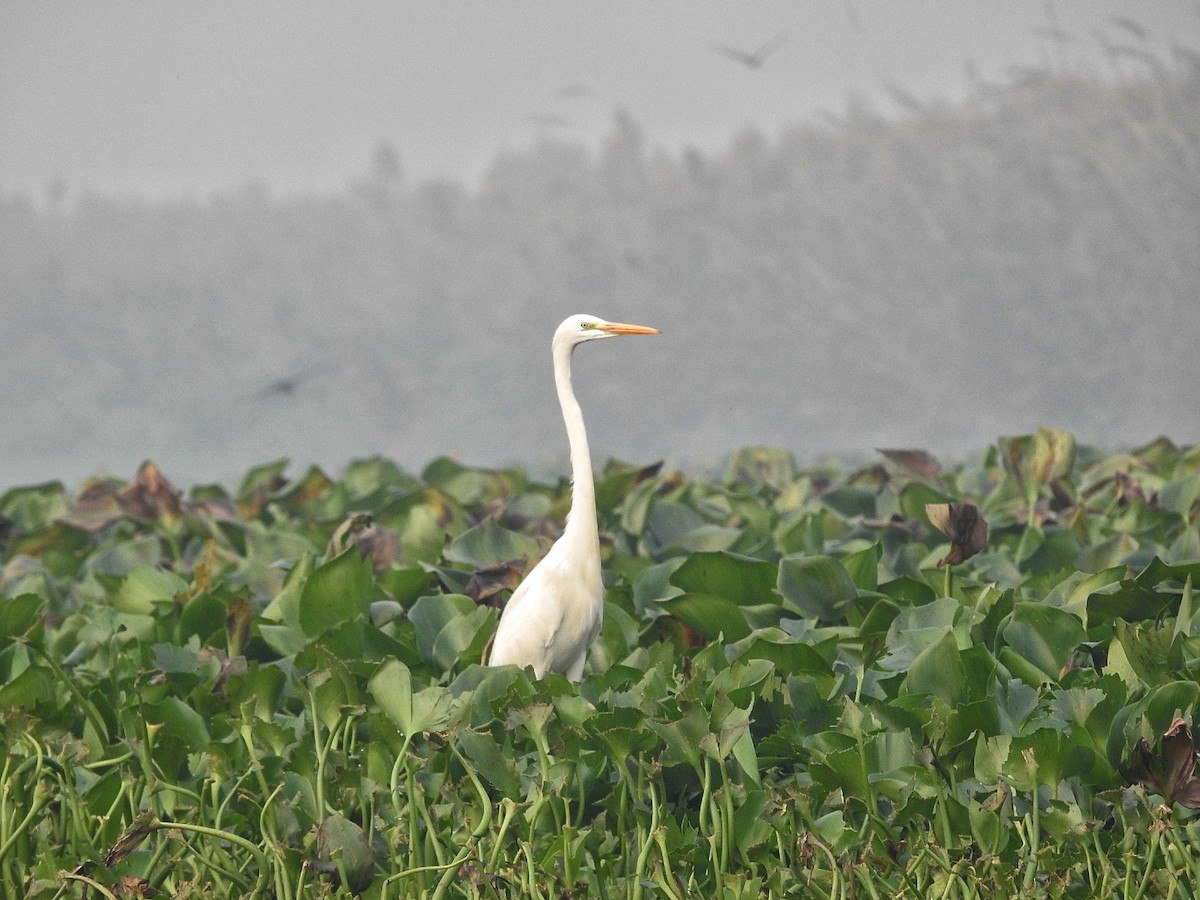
(581, 523)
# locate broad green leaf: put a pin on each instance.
(863, 566)
(750, 828)
(391, 686)
(1146, 647)
(145, 586)
(342, 847)
(817, 586)
(739, 579)
(669, 524)
(938, 670)
(743, 751)
(1044, 635)
(780, 648)
(179, 720)
(850, 501)
(336, 591)
(1037, 459)
(491, 762)
(33, 686)
(709, 615)
(682, 736)
(1131, 601)
(1180, 494)
(490, 543)
(762, 466)
(463, 638)
(430, 614)
(18, 615)
(915, 629)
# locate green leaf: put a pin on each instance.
(743, 751)
(1179, 495)
(391, 686)
(464, 637)
(18, 615)
(491, 762)
(337, 591)
(739, 579)
(145, 586)
(750, 827)
(1044, 635)
(863, 566)
(938, 670)
(817, 586)
(343, 847)
(850, 501)
(1146, 647)
(711, 616)
(762, 467)
(179, 720)
(1037, 459)
(32, 687)
(674, 527)
(490, 543)
(682, 737)
(430, 614)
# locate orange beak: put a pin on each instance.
(622, 328)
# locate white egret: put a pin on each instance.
(554, 614)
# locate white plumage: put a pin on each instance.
(555, 613)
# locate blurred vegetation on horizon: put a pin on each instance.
(930, 279)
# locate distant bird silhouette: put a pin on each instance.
(574, 92)
(550, 120)
(289, 384)
(758, 57)
(852, 16)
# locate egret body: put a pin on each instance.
(554, 614)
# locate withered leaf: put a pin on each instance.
(239, 616)
(963, 524)
(344, 534)
(133, 886)
(381, 544)
(918, 463)
(133, 836)
(872, 476)
(1170, 772)
(149, 495)
(1179, 765)
(489, 581)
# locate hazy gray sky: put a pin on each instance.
(170, 97)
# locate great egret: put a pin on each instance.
(554, 614)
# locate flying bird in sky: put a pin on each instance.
(755, 59)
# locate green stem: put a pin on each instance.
(89, 711)
(90, 882)
(485, 822)
(259, 855)
(1148, 869)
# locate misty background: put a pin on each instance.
(230, 233)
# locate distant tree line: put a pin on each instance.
(962, 269)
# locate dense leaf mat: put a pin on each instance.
(898, 679)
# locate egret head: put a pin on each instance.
(579, 328)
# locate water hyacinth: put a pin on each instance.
(277, 688)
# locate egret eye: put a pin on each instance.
(586, 326)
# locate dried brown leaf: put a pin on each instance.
(149, 495)
(963, 524)
(917, 463)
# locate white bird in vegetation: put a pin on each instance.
(554, 614)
